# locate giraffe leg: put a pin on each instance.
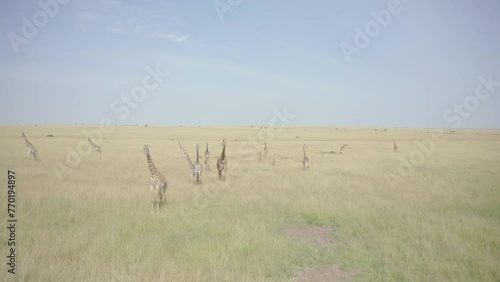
(153, 203)
(160, 200)
(223, 176)
(164, 199)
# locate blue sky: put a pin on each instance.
(263, 55)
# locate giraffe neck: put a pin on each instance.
(186, 155)
(152, 167)
(188, 159)
(207, 146)
(28, 144)
(304, 151)
(265, 146)
(197, 155)
(224, 151)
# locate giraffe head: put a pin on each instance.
(223, 143)
(197, 147)
(305, 146)
(145, 149)
(22, 135)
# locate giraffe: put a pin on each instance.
(274, 160)
(342, 149)
(191, 166)
(396, 148)
(305, 162)
(207, 156)
(265, 150)
(30, 149)
(157, 183)
(95, 148)
(198, 169)
(222, 162)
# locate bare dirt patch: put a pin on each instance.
(332, 273)
(320, 236)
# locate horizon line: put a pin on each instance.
(251, 126)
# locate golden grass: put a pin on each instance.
(440, 223)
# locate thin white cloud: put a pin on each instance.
(120, 28)
(169, 36)
(112, 16)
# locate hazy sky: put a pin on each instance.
(260, 56)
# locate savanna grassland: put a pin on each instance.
(439, 221)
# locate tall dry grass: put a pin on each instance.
(440, 223)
